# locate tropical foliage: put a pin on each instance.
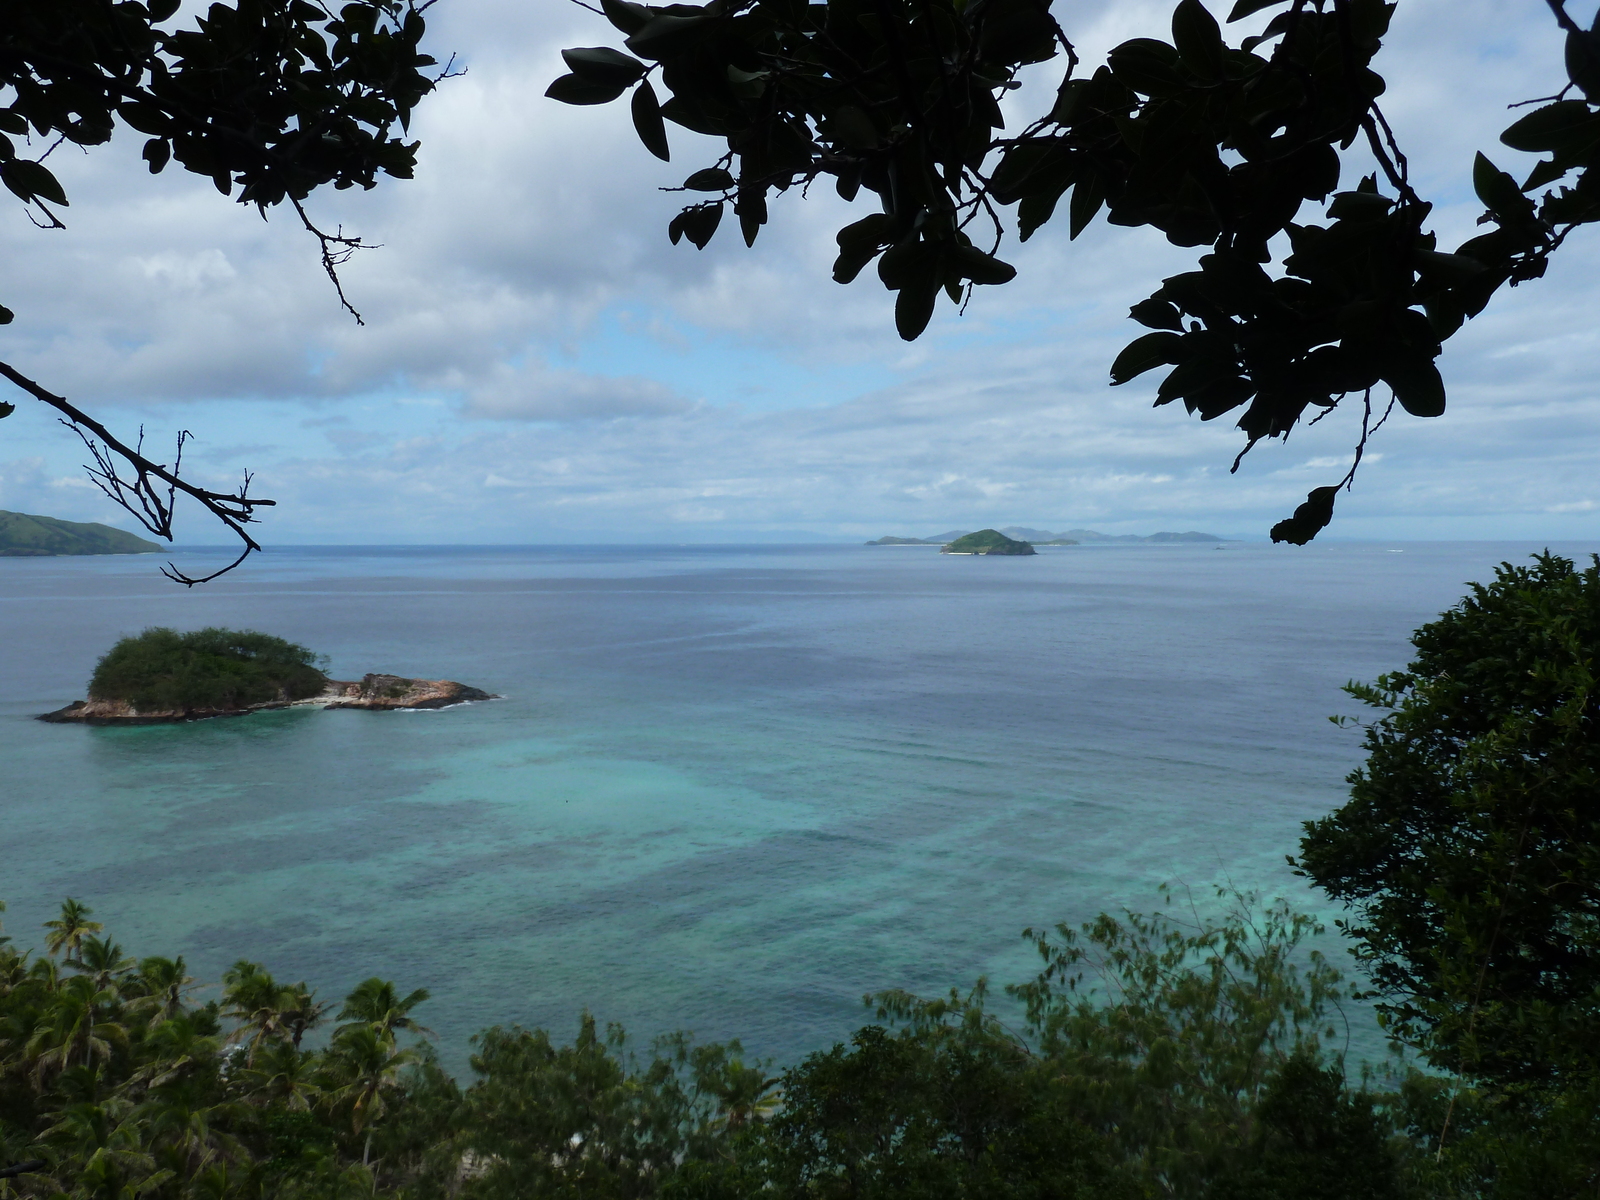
(161, 670)
(1470, 854)
(1470, 847)
(1149, 1058)
(116, 1081)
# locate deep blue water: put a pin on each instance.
(729, 789)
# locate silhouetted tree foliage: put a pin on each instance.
(1217, 142)
(164, 670)
(269, 99)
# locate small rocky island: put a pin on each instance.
(988, 541)
(162, 676)
(1043, 537)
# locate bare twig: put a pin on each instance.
(150, 493)
(450, 70)
(1367, 430)
(1561, 95)
(336, 251)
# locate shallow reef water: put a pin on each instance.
(729, 789)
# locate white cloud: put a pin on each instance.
(538, 394)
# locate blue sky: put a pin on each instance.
(539, 364)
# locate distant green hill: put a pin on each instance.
(987, 541)
(25, 536)
(938, 539)
(1089, 535)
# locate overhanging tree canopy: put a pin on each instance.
(271, 99)
(1218, 143)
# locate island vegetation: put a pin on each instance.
(988, 541)
(1199, 1054)
(161, 676)
(210, 669)
(23, 535)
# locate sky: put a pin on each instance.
(540, 365)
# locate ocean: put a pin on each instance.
(728, 789)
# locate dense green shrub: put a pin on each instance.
(1469, 857)
(164, 670)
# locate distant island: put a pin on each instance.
(23, 535)
(1043, 537)
(987, 541)
(938, 539)
(161, 676)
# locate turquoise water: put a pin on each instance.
(729, 789)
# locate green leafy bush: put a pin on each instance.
(163, 670)
(1469, 851)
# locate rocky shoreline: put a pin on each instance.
(381, 693)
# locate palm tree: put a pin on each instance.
(102, 960)
(68, 931)
(299, 1012)
(283, 1075)
(165, 984)
(266, 1009)
(181, 1119)
(220, 1181)
(105, 1139)
(176, 1043)
(746, 1094)
(79, 1084)
(365, 1067)
(72, 1028)
(250, 996)
(13, 970)
(376, 1003)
